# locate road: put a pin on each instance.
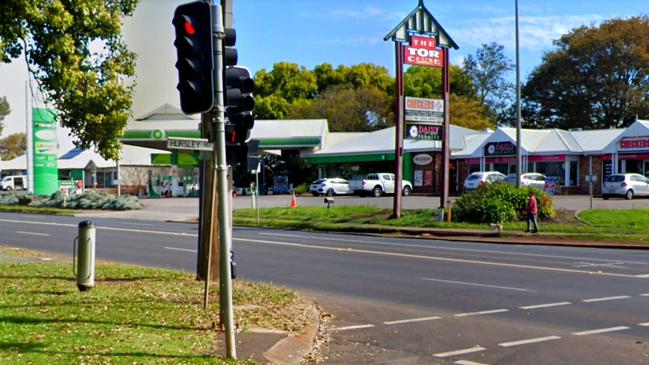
(409, 301)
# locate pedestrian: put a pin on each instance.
(532, 211)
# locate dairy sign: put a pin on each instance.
(423, 51)
(425, 131)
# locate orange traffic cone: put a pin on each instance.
(293, 201)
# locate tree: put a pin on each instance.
(488, 70)
(75, 52)
(4, 109)
(286, 80)
(469, 113)
(598, 77)
(13, 146)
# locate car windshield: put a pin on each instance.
(318, 181)
(614, 178)
(473, 177)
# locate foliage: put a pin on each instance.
(488, 70)
(133, 315)
(15, 198)
(13, 146)
(75, 52)
(302, 188)
(4, 104)
(286, 80)
(598, 77)
(499, 203)
(90, 200)
(469, 113)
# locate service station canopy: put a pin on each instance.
(421, 21)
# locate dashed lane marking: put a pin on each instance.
(592, 300)
(476, 284)
(481, 312)
(33, 233)
(547, 305)
(528, 341)
(601, 330)
(422, 319)
(643, 276)
(467, 362)
(644, 295)
(356, 327)
(180, 249)
(645, 324)
(460, 352)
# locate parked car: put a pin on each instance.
(16, 182)
(533, 179)
(332, 186)
(474, 180)
(378, 184)
(626, 185)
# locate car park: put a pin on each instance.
(533, 179)
(330, 186)
(474, 180)
(625, 185)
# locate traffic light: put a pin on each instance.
(239, 104)
(193, 24)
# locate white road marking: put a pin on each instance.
(180, 249)
(433, 258)
(460, 352)
(34, 233)
(644, 295)
(605, 299)
(481, 312)
(476, 284)
(547, 305)
(139, 224)
(644, 276)
(601, 330)
(165, 233)
(467, 362)
(356, 327)
(528, 341)
(422, 319)
(645, 324)
(616, 265)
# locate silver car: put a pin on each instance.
(626, 185)
(476, 179)
(533, 179)
(331, 186)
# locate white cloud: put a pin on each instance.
(536, 32)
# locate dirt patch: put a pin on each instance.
(564, 216)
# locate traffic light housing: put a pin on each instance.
(194, 48)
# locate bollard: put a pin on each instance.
(83, 260)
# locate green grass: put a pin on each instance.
(34, 210)
(134, 315)
(631, 226)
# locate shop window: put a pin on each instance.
(574, 173)
(501, 167)
(552, 169)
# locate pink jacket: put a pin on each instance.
(532, 205)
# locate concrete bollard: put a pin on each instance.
(83, 262)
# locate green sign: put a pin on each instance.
(45, 160)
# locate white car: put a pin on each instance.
(474, 180)
(533, 179)
(18, 182)
(625, 185)
(331, 186)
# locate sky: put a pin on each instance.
(348, 32)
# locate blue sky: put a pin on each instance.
(311, 32)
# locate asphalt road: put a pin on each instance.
(409, 301)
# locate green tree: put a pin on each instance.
(488, 70)
(13, 146)
(426, 82)
(4, 110)
(598, 77)
(286, 80)
(74, 50)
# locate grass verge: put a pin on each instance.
(625, 226)
(134, 315)
(35, 210)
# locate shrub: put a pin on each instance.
(15, 199)
(499, 203)
(302, 188)
(90, 200)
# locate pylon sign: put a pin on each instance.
(423, 51)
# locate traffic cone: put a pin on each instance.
(293, 201)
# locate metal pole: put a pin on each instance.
(590, 180)
(446, 85)
(398, 145)
(257, 189)
(518, 107)
(119, 181)
(221, 175)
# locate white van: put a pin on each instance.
(17, 182)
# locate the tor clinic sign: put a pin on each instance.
(45, 160)
(423, 51)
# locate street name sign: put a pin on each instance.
(198, 144)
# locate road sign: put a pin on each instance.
(200, 144)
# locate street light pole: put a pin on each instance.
(519, 159)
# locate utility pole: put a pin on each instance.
(519, 158)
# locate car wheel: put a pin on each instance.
(377, 191)
(406, 190)
(605, 197)
(629, 194)
(330, 192)
(9, 188)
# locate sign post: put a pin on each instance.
(428, 45)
